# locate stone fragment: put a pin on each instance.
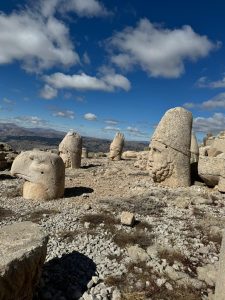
(208, 274)
(169, 156)
(129, 154)
(142, 160)
(84, 153)
(116, 147)
(44, 173)
(70, 150)
(137, 254)
(212, 171)
(127, 218)
(220, 279)
(22, 254)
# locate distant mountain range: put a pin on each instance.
(21, 138)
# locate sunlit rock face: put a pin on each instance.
(44, 173)
(169, 156)
(116, 147)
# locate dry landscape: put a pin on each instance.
(171, 251)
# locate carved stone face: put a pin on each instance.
(115, 151)
(159, 162)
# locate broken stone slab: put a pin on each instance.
(127, 218)
(137, 253)
(22, 254)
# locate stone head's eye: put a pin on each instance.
(42, 172)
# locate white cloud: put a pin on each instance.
(8, 101)
(68, 114)
(85, 8)
(204, 82)
(108, 83)
(111, 128)
(86, 58)
(213, 124)
(30, 121)
(36, 41)
(214, 103)
(134, 131)
(48, 92)
(90, 117)
(111, 122)
(157, 50)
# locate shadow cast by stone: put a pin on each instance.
(6, 176)
(90, 166)
(67, 276)
(77, 191)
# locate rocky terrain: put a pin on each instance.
(171, 252)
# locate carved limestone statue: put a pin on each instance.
(70, 149)
(116, 147)
(169, 156)
(44, 173)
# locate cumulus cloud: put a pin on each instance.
(68, 114)
(214, 103)
(157, 50)
(134, 131)
(48, 92)
(90, 117)
(35, 41)
(108, 82)
(213, 124)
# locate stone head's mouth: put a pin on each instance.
(20, 175)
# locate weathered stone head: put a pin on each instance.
(116, 147)
(194, 149)
(70, 150)
(169, 156)
(44, 173)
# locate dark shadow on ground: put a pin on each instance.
(77, 191)
(90, 166)
(67, 276)
(6, 176)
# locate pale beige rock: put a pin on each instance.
(127, 218)
(208, 139)
(194, 149)
(22, 254)
(84, 153)
(129, 154)
(116, 147)
(44, 173)
(208, 274)
(212, 171)
(137, 254)
(142, 160)
(203, 151)
(70, 150)
(169, 156)
(220, 280)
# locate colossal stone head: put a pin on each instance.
(116, 147)
(169, 156)
(70, 150)
(44, 173)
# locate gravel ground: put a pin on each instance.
(92, 256)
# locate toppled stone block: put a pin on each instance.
(136, 253)
(127, 218)
(22, 254)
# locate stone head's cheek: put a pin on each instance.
(40, 169)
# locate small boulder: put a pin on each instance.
(137, 254)
(127, 218)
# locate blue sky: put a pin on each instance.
(103, 66)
